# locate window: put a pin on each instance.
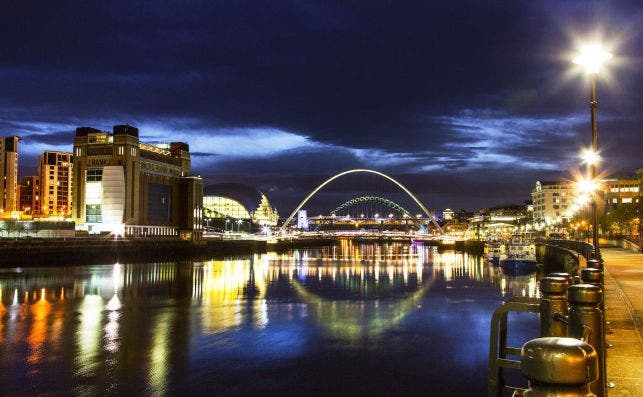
(94, 175)
(93, 213)
(121, 150)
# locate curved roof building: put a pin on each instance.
(238, 201)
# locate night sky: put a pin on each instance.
(468, 103)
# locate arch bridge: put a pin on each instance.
(360, 170)
(363, 200)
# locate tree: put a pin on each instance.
(624, 219)
(36, 226)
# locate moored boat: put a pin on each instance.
(493, 250)
(519, 256)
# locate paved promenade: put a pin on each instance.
(624, 309)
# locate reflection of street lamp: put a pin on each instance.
(591, 58)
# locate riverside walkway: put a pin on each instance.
(624, 309)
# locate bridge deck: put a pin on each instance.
(624, 302)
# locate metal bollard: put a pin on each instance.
(566, 276)
(553, 302)
(586, 323)
(596, 264)
(558, 367)
(591, 276)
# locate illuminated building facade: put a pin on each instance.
(550, 201)
(238, 201)
(30, 195)
(447, 214)
(9, 168)
(623, 190)
(128, 187)
(54, 171)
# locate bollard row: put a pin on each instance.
(575, 311)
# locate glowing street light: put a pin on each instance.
(586, 186)
(590, 157)
(592, 57)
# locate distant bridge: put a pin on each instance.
(360, 170)
(371, 199)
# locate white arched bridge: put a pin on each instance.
(387, 202)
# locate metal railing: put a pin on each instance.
(499, 352)
(565, 310)
(581, 247)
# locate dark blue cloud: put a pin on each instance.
(434, 89)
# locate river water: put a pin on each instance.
(352, 319)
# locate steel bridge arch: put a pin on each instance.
(364, 199)
(356, 170)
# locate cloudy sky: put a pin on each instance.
(468, 103)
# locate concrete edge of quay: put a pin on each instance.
(62, 252)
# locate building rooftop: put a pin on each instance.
(248, 196)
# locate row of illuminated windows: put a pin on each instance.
(631, 188)
(543, 208)
(121, 151)
(625, 200)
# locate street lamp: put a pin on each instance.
(591, 58)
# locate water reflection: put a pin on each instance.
(141, 328)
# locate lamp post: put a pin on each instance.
(591, 58)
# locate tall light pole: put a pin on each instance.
(591, 58)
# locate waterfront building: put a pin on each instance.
(30, 195)
(302, 220)
(9, 169)
(235, 201)
(502, 221)
(551, 199)
(447, 214)
(620, 190)
(639, 175)
(55, 177)
(125, 186)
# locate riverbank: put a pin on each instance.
(55, 252)
(73, 251)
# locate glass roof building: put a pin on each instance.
(238, 201)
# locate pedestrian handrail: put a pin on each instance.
(581, 247)
(498, 349)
